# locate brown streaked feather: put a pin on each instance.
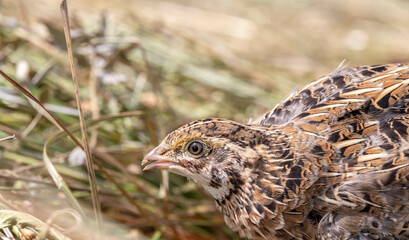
(347, 82)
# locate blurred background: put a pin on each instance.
(145, 68)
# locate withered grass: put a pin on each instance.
(144, 68)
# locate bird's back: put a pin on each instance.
(355, 125)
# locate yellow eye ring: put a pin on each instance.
(195, 148)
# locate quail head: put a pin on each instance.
(331, 161)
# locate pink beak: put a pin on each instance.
(159, 161)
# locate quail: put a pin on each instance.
(331, 161)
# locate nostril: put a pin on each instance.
(160, 150)
(155, 154)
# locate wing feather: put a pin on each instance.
(351, 86)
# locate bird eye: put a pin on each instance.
(195, 148)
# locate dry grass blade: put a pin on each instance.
(59, 181)
(12, 137)
(57, 122)
(88, 157)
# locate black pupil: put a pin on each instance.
(195, 148)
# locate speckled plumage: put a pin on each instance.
(329, 162)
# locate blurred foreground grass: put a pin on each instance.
(159, 64)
